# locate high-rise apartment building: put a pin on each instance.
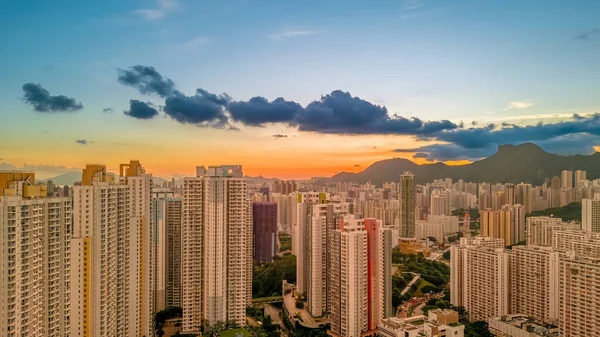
(579, 177)
(582, 243)
(578, 279)
(216, 253)
(540, 229)
(302, 209)
(479, 277)
(440, 202)
(509, 194)
(284, 187)
(264, 223)
(359, 276)
(590, 214)
(98, 273)
(534, 288)
(167, 214)
(323, 218)
(508, 224)
(566, 179)
(34, 258)
(406, 197)
(136, 256)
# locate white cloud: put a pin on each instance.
(292, 33)
(195, 42)
(412, 4)
(162, 8)
(518, 105)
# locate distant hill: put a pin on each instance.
(68, 178)
(568, 212)
(71, 177)
(511, 164)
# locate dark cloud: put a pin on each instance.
(141, 110)
(259, 111)
(341, 113)
(42, 101)
(279, 136)
(443, 152)
(587, 34)
(147, 81)
(82, 141)
(474, 138)
(203, 109)
(356, 165)
(107, 110)
(565, 145)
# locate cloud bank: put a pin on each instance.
(339, 112)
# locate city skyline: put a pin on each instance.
(447, 70)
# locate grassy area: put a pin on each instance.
(235, 333)
(419, 291)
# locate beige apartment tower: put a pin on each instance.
(168, 219)
(479, 277)
(406, 197)
(216, 258)
(101, 209)
(35, 259)
(359, 276)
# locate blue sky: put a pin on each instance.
(459, 60)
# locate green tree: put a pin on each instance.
(477, 329)
(267, 277)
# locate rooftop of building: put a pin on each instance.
(530, 324)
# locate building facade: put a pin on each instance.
(359, 277)
(406, 197)
(35, 258)
(264, 224)
(216, 253)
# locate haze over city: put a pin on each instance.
(293, 89)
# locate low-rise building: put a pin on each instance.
(519, 325)
(438, 323)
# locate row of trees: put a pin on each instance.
(267, 277)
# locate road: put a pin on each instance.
(274, 313)
(407, 288)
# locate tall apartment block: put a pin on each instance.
(302, 210)
(534, 288)
(508, 223)
(167, 214)
(540, 229)
(216, 252)
(566, 179)
(264, 223)
(406, 197)
(359, 276)
(101, 209)
(590, 214)
(136, 256)
(479, 277)
(578, 279)
(579, 177)
(34, 258)
(323, 219)
(284, 187)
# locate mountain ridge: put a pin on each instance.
(525, 162)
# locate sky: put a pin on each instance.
(294, 88)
